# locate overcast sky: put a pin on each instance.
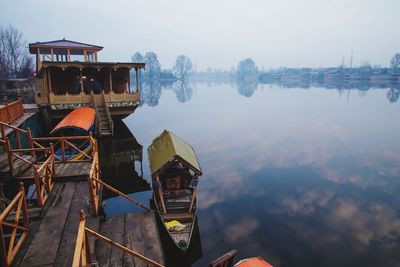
(218, 33)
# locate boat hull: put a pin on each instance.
(174, 255)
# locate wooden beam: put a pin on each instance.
(110, 78)
(38, 61)
(137, 79)
(81, 79)
(49, 75)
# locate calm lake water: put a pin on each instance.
(301, 177)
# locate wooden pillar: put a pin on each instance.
(52, 54)
(110, 78)
(95, 56)
(81, 79)
(49, 75)
(137, 78)
(38, 61)
(84, 55)
(68, 55)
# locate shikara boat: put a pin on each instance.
(175, 171)
(79, 122)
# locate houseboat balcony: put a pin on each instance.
(69, 101)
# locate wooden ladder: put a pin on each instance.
(105, 125)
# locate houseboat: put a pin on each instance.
(69, 75)
(175, 170)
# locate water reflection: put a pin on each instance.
(393, 95)
(183, 91)
(151, 90)
(246, 88)
(300, 177)
(121, 160)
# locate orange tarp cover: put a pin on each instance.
(253, 262)
(81, 118)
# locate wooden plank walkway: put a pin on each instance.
(64, 170)
(53, 242)
(137, 231)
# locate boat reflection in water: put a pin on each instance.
(121, 166)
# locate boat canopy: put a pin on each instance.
(81, 118)
(166, 149)
(253, 262)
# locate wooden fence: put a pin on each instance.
(14, 227)
(10, 112)
(82, 253)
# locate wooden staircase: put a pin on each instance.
(104, 122)
(105, 127)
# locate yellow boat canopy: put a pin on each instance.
(167, 148)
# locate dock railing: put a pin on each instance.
(82, 253)
(14, 227)
(10, 112)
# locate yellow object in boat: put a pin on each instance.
(175, 225)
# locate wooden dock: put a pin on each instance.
(56, 221)
(51, 242)
(135, 231)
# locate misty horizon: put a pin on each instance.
(219, 34)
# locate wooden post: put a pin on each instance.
(52, 54)
(25, 206)
(31, 143)
(81, 80)
(68, 55)
(137, 78)
(95, 56)
(52, 155)
(38, 61)
(110, 78)
(37, 186)
(84, 55)
(49, 75)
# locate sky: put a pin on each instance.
(219, 33)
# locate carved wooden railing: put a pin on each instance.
(65, 148)
(83, 98)
(10, 112)
(44, 177)
(14, 227)
(82, 253)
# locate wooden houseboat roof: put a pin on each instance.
(76, 47)
(168, 147)
(82, 118)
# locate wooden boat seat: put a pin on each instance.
(177, 216)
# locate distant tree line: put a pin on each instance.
(15, 61)
(181, 70)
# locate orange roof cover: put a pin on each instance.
(81, 118)
(253, 262)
